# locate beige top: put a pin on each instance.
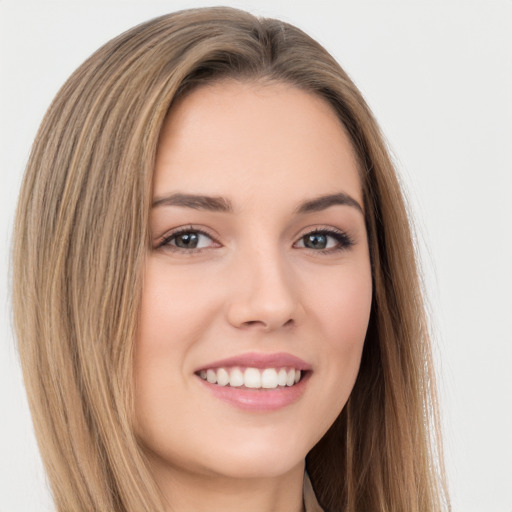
(310, 501)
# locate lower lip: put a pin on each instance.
(260, 399)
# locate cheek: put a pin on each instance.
(337, 310)
(176, 306)
(175, 312)
(342, 313)
(342, 302)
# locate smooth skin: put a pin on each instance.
(251, 271)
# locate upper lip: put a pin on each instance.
(258, 360)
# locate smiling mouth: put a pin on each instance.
(252, 378)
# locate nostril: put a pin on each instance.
(251, 323)
(261, 323)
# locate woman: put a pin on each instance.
(214, 281)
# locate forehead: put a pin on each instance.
(250, 137)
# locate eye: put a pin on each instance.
(188, 239)
(325, 240)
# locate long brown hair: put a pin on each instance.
(81, 236)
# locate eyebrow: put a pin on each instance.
(197, 202)
(221, 204)
(324, 202)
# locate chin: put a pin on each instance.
(255, 465)
(236, 458)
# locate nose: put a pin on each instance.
(263, 294)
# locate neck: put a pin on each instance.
(188, 492)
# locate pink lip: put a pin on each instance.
(259, 400)
(257, 360)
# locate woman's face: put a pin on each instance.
(259, 274)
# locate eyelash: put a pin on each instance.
(166, 240)
(343, 240)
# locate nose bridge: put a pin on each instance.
(263, 292)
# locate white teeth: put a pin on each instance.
(236, 378)
(253, 378)
(269, 378)
(222, 377)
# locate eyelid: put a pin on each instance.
(344, 239)
(163, 241)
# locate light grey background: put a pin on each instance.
(438, 75)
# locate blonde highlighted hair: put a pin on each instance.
(81, 236)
